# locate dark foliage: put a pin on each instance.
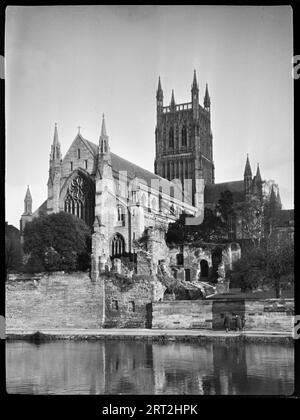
(13, 249)
(57, 241)
(212, 229)
(270, 265)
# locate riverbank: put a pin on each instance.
(151, 335)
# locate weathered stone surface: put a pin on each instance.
(128, 305)
(57, 300)
(182, 314)
(260, 315)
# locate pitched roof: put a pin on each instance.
(120, 164)
(41, 209)
(212, 192)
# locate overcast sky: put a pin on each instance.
(69, 64)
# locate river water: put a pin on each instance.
(133, 367)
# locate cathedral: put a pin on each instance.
(120, 200)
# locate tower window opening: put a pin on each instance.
(132, 306)
(71, 165)
(171, 138)
(85, 164)
(78, 154)
(183, 136)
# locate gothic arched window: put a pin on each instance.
(164, 138)
(183, 136)
(80, 199)
(117, 245)
(171, 137)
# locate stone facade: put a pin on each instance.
(198, 262)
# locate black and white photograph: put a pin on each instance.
(149, 201)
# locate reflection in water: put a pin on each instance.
(120, 367)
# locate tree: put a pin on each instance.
(252, 217)
(279, 268)
(225, 208)
(212, 229)
(269, 265)
(13, 249)
(58, 241)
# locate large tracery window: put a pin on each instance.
(80, 200)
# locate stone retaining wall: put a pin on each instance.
(58, 300)
(182, 314)
(260, 315)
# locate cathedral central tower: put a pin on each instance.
(183, 139)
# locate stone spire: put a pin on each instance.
(103, 141)
(248, 178)
(278, 199)
(195, 84)
(206, 101)
(172, 105)
(195, 97)
(159, 93)
(258, 176)
(55, 155)
(104, 169)
(247, 171)
(257, 183)
(272, 196)
(28, 202)
(55, 137)
(103, 128)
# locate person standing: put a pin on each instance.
(243, 322)
(238, 323)
(227, 322)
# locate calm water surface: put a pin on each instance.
(120, 367)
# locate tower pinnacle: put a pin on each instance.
(206, 98)
(103, 141)
(28, 202)
(55, 155)
(55, 137)
(247, 171)
(103, 128)
(195, 84)
(172, 105)
(159, 93)
(258, 176)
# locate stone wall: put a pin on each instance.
(182, 314)
(58, 300)
(226, 306)
(72, 300)
(128, 301)
(269, 314)
(260, 315)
